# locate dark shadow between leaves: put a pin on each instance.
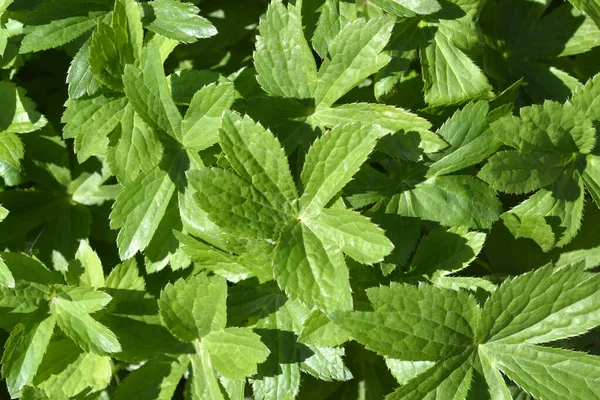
(285, 350)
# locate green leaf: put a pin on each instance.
(319, 330)
(559, 303)
(235, 352)
(590, 7)
(11, 149)
(450, 76)
(310, 270)
(29, 269)
(408, 8)
(6, 278)
(66, 371)
(410, 323)
(334, 16)
(25, 348)
(352, 233)
(326, 364)
(283, 60)
(354, 55)
(236, 205)
(546, 372)
(202, 383)
(126, 276)
(591, 176)
(135, 148)
(585, 100)
(148, 92)
(333, 160)
(90, 121)
(204, 116)
(57, 32)
(517, 172)
(87, 269)
(18, 113)
(156, 379)
(194, 308)
(176, 20)
(404, 371)
(72, 316)
(80, 78)
(138, 210)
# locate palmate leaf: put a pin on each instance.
(533, 308)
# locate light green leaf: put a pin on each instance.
(66, 371)
(335, 14)
(192, 309)
(30, 269)
(176, 20)
(308, 269)
(450, 76)
(6, 278)
(354, 234)
(319, 330)
(18, 114)
(90, 121)
(494, 379)
(404, 371)
(87, 267)
(546, 372)
(591, 176)
(235, 352)
(284, 62)
(590, 7)
(138, 210)
(517, 172)
(326, 364)
(236, 205)
(148, 92)
(25, 348)
(586, 99)
(11, 149)
(411, 323)
(156, 379)
(451, 200)
(354, 55)
(203, 118)
(445, 251)
(448, 379)
(135, 148)
(560, 206)
(57, 32)
(558, 304)
(390, 118)
(408, 8)
(126, 276)
(73, 319)
(80, 78)
(332, 161)
(256, 155)
(203, 383)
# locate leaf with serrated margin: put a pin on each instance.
(203, 118)
(590, 7)
(156, 379)
(352, 233)
(543, 306)
(192, 309)
(67, 371)
(90, 121)
(6, 278)
(86, 270)
(548, 373)
(335, 14)
(11, 149)
(408, 8)
(203, 383)
(470, 138)
(326, 364)
(445, 251)
(591, 176)
(308, 269)
(319, 330)
(332, 161)
(18, 114)
(495, 381)
(354, 55)
(517, 172)
(176, 20)
(74, 320)
(25, 348)
(148, 92)
(235, 352)
(29, 269)
(448, 379)
(283, 60)
(236, 205)
(390, 118)
(422, 323)
(587, 99)
(452, 200)
(80, 78)
(548, 127)
(450, 76)
(257, 156)
(58, 32)
(126, 276)
(138, 210)
(135, 148)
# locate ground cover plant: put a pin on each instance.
(303, 199)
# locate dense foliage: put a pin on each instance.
(318, 199)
